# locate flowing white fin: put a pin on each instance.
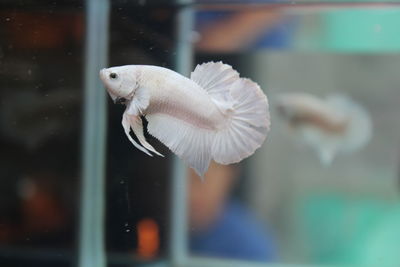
(131, 119)
(246, 107)
(137, 128)
(127, 128)
(216, 78)
(190, 143)
(248, 124)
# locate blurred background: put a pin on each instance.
(280, 206)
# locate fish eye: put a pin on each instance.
(113, 75)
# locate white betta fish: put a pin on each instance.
(213, 115)
(331, 126)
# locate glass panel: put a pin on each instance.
(41, 53)
(318, 191)
(137, 185)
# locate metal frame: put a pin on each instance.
(91, 237)
(178, 242)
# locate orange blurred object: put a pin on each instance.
(41, 30)
(43, 211)
(148, 238)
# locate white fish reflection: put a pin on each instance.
(330, 126)
(213, 115)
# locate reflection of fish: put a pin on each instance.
(213, 115)
(330, 126)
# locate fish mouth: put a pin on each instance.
(102, 74)
(103, 77)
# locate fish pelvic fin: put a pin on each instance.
(127, 128)
(135, 123)
(137, 128)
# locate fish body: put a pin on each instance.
(331, 126)
(214, 115)
(176, 95)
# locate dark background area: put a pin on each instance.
(41, 81)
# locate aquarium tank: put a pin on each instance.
(322, 190)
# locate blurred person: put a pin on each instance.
(220, 225)
(230, 31)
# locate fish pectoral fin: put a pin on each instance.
(139, 103)
(137, 128)
(126, 124)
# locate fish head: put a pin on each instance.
(120, 82)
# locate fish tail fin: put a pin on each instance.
(245, 106)
(247, 125)
(359, 129)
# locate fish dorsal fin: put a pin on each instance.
(216, 78)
